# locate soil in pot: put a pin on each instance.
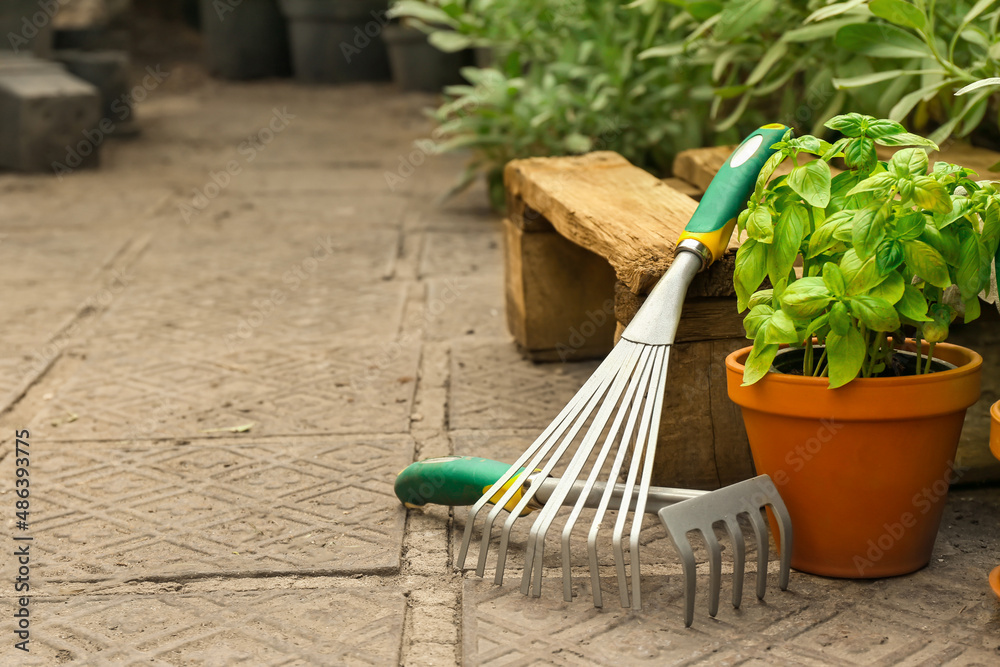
(864, 469)
(248, 40)
(416, 65)
(337, 42)
(789, 361)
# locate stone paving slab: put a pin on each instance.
(244, 506)
(463, 252)
(492, 387)
(347, 625)
(943, 614)
(280, 388)
(462, 306)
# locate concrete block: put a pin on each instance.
(26, 26)
(45, 115)
(108, 72)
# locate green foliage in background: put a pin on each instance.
(653, 77)
(886, 248)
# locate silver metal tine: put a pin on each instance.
(763, 549)
(570, 407)
(633, 472)
(546, 470)
(539, 529)
(739, 558)
(715, 569)
(686, 554)
(639, 381)
(632, 376)
(654, 404)
(784, 521)
(535, 453)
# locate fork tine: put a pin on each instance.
(652, 423)
(687, 559)
(763, 550)
(639, 379)
(715, 569)
(784, 521)
(739, 559)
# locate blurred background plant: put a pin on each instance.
(653, 77)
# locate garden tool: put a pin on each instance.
(457, 480)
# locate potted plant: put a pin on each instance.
(337, 41)
(852, 401)
(245, 40)
(416, 62)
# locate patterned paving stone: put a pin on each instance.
(217, 507)
(349, 625)
(464, 253)
(940, 615)
(493, 387)
(281, 388)
(462, 306)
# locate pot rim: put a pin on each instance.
(995, 413)
(863, 399)
(734, 361)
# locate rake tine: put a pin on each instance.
(763, 550)
(623, 508)
(625, 377)
(653, 424)
(570, 407)
(535, 452)
(739, 559)
(536, 537)
(639, 379)
(690, 575)
(784, 521)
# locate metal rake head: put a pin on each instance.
(726, 505)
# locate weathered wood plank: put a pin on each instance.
(603, 203)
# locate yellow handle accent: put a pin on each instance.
(716, 241)
(513, 499)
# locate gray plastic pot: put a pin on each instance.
(248, 40)
(337, 41)
(416, 65)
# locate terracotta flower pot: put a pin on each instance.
(995, 448)
(864, 469)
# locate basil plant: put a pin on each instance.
(887, 250)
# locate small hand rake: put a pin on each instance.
(620, 405)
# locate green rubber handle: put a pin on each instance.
(728, 192)
(450, 480)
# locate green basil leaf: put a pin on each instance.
(879, 128)
(860, 154)
(927, 263)
(823, 238)
(913, 305)
(751, 269)
(879, 183)
(881, 41)
(780, 329)
(761, 297)
(876, 314)
(890, 289)
(840, 319)
(906, 139)
(759, 225)
(817, 326)
(833, 278)
(945, 241)
(969, 276)
(868, 230)
(740, 17)
(888, 256)
(806, 298)
(756, 318)
(861, 274)
(759, 362)
(909, 162)
(931, 195)
(845, 353)
(910, 226)
(811, 181)
(898, 12)
(847, 124)
(788, 234)
(936, 331)
(972, 308)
